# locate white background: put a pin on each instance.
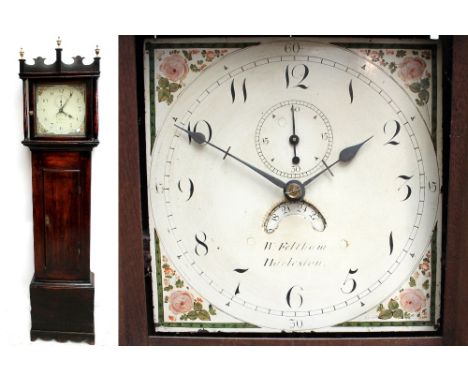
(35, 25)
(16, 259)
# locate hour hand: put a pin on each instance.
(349, 152)
(200, 138)
(346, 155)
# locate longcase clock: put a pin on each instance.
(61, 130)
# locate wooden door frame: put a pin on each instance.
(134, 325)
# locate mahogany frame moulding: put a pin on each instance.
(135, 327)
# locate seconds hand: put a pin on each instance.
(200, 139)
(294, 139)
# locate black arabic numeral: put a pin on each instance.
(406, 178)
(201, 249)
(237, 290)
(206, 130)
(390, 242)
(296, 296)
(350, 89)
(233, 90)
(349, 281)
(241, 270)
(186, 188)
(297, 74)
(396, 130)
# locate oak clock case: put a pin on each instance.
(292, 186)
(61, 130)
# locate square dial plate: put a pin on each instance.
(188, 261)
(60, 109)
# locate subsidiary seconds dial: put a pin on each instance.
(293, 137)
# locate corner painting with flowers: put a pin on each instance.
(413, 69)
(175, 66)
(169, 68)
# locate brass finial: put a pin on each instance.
(21, 53)
(59, 42)
(97, 50)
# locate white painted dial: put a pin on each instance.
(60, 109)
(369, 210)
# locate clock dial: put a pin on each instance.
(311, 172)
(61, 109)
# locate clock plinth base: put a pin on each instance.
(62, 311)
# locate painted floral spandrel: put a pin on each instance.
(410, 66)
(176, 65)
(412, 301)
(181, 300)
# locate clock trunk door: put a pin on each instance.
(60, 217)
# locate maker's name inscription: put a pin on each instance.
(301, 251)
(294, 246)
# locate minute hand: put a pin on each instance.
(200, 139)
(346, 155)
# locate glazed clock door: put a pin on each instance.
(62, 215)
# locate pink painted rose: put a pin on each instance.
(411, 68)
(412, 300)
(210, 55)
(174, 67)
(374, 55)
(180, 302)
(424, 266)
